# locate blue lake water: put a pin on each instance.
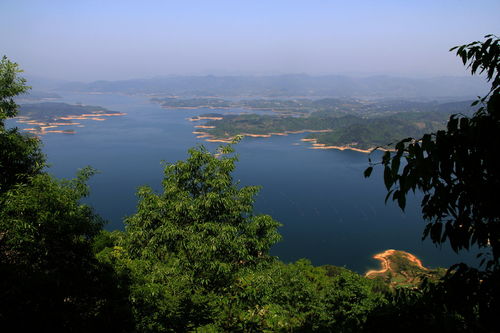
(330, 213)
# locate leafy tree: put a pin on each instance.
(198, 260)
(298, 297)
(457, 169)
(186, 245)
(11, 85)
(466, 301)
(49, 275)
(20, 158)
(50, 279)
(203, 219)
(20, 155)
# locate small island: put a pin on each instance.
(402, 269)
(49, 117)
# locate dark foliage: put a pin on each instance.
(50, 280)
(457, 169)
(466, 301)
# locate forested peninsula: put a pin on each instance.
(332, 123)
(52, 117)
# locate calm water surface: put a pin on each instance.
(330, 213)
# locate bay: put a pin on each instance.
(330, 213)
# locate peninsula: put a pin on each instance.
(402, 269)
(335, 124)
(52, 117)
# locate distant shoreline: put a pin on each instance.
(44, 127)
(316, 145)
(212, 138)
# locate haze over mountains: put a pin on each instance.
(291, 85)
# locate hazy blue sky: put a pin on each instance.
(106, 39)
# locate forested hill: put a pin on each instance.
(351, 123)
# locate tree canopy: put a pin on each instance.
(20, 155)
(203, 218)
(198, 259)
(457, 169)
(11, 85)
(49, 276)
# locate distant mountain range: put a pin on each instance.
(293, 85)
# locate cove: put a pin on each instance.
(330, 213)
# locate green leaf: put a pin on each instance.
(436, 230)
(386, 158)
(368, 172)
(388, 196)
(395, 165)
(402, 200)
(388, 177)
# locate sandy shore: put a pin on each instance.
(201, 135)
(198, 118)
(92, 116)
(43, 127)
(385, 262)
(219, 140)
(171, 107)
(211, 138)
(37, 123)
(229, 139)
(316, 145)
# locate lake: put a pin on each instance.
(330, 213)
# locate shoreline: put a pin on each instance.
(385, 262)
(212, 138)
(316, 145)
(42, 126)
(198, 118)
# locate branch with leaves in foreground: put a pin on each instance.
(457, 169)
